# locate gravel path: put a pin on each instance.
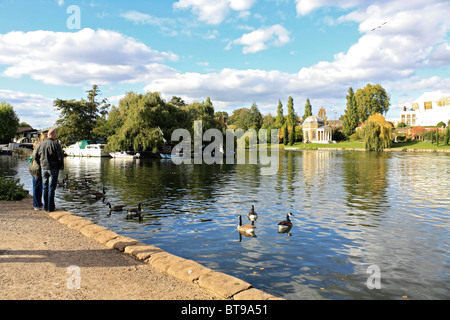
(42, 259)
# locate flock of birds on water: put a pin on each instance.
(132, 213)
(247, 230)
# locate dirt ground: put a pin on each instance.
(42, 259)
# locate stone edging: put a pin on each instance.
(224, 285)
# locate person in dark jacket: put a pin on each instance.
(50, 157)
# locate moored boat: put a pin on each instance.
(124, 155)
(86, 148)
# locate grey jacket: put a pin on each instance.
(49, 155)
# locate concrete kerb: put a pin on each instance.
(222, 284)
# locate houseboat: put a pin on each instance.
(86, 148)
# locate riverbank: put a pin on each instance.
(61, 256)
(359, 146)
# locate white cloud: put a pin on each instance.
(86, 56)
(391, 55)
(213, 11)
(166, 25)
(264, 37)
(305, 7)
(440, 55)
(34, 109)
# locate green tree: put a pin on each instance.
(285, 134)
(221, 116)
(245, 118)
(441, 124)
(291, 118)
(142, 114)
(177, 101)
(292, 136)
(308, 110)
(268, 120)
(280, 117)
(9, 122)
(255, 117)
(108, 124)
(377, 133)
(371, 100)
(79, 118)
(351, 117)
(437, 137)
(447, 136)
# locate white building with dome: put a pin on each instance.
(315, 131)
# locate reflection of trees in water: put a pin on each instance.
(162, 184)
(8, 166)
(364, 176)
(316, 172)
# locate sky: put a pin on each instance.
(237, 52)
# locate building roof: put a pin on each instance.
(314, 120)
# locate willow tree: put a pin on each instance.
(377, 133)
(142, 115)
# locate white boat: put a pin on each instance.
(124, 155)
(86, 148)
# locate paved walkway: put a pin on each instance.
(61, 256)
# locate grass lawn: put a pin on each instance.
(418, 145)
(314, 146)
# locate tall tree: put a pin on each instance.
(280, 117)
(371, 100)
(291, 118)
(351, 116)
(285, 134)
(255, 117)
(292, 136)
(78, 118)
(9, 122)
(308, 110)
(323, 115)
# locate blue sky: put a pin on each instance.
(237, 52)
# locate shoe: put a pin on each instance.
(37, 209)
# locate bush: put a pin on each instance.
(11, 190)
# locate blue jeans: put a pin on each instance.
(37, 192)
(50, 181)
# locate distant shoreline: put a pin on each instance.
(406, 150)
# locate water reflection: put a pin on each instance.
(366, 184)
(351, 210)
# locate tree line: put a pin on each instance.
(145, 121)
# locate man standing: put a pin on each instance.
(50, 156)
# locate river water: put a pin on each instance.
(365, 225)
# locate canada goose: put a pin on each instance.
(245, 228)
(115, 208)
(85, 182)
(252, 215)
(99, 195)
(135, 213)
(64, 182)
(283, 226)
